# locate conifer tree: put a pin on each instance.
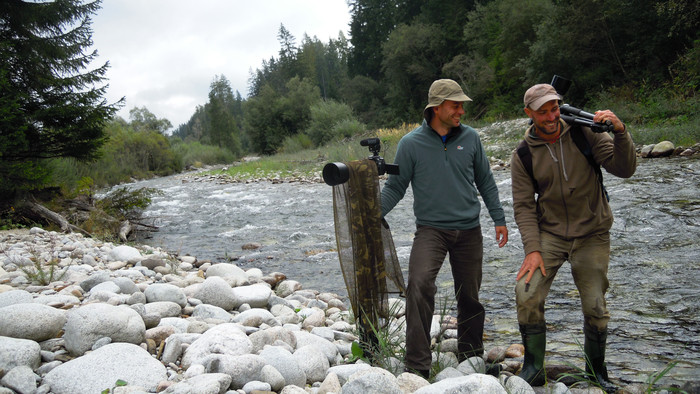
(223, 129)
(50, 105)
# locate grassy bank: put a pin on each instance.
(310, 162)
(655, 115)
(499, 139)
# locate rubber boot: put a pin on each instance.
(425, 373)
(534, 340)
(594, 348)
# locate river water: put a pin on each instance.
(654, 295)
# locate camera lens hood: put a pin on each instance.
(335, 173)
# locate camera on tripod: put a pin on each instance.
(338, 173)
(575, 116)
(374, 145)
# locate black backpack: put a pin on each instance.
(582, 145)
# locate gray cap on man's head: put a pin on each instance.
(444, 89)
(536, 96)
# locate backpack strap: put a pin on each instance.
(526, 158)
(585, 148)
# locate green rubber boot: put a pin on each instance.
(534, 340)
(594, 348)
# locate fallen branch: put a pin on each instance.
(37, 210)
(48, 215)
(148, 226)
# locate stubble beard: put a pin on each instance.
(544, 129)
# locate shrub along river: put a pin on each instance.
(654, 295)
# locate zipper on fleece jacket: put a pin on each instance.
(443, 140)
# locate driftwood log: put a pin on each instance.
(36, 211)
(39, 211)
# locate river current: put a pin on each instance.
(654, 295)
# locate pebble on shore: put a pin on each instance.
(82, 316)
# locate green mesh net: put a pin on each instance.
(365, 247)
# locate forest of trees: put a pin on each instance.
(495, 49)
(54, 118)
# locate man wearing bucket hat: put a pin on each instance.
(447, 167)
(569, 220)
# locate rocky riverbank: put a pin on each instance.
(84, 316)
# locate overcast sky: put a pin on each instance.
(164, 54)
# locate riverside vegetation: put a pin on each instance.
(499, 139)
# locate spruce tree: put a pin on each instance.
(51, 106)
(223, 129)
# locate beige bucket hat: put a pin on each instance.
(441, 90)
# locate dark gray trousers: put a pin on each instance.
(430, 246)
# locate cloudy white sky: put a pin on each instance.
(164, 54)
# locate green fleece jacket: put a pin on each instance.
(570, 202)
(445, 179)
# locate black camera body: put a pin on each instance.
(338, 173)
(374, 145)
(573, 115)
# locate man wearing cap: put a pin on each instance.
(447, 168)
(569, 220)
